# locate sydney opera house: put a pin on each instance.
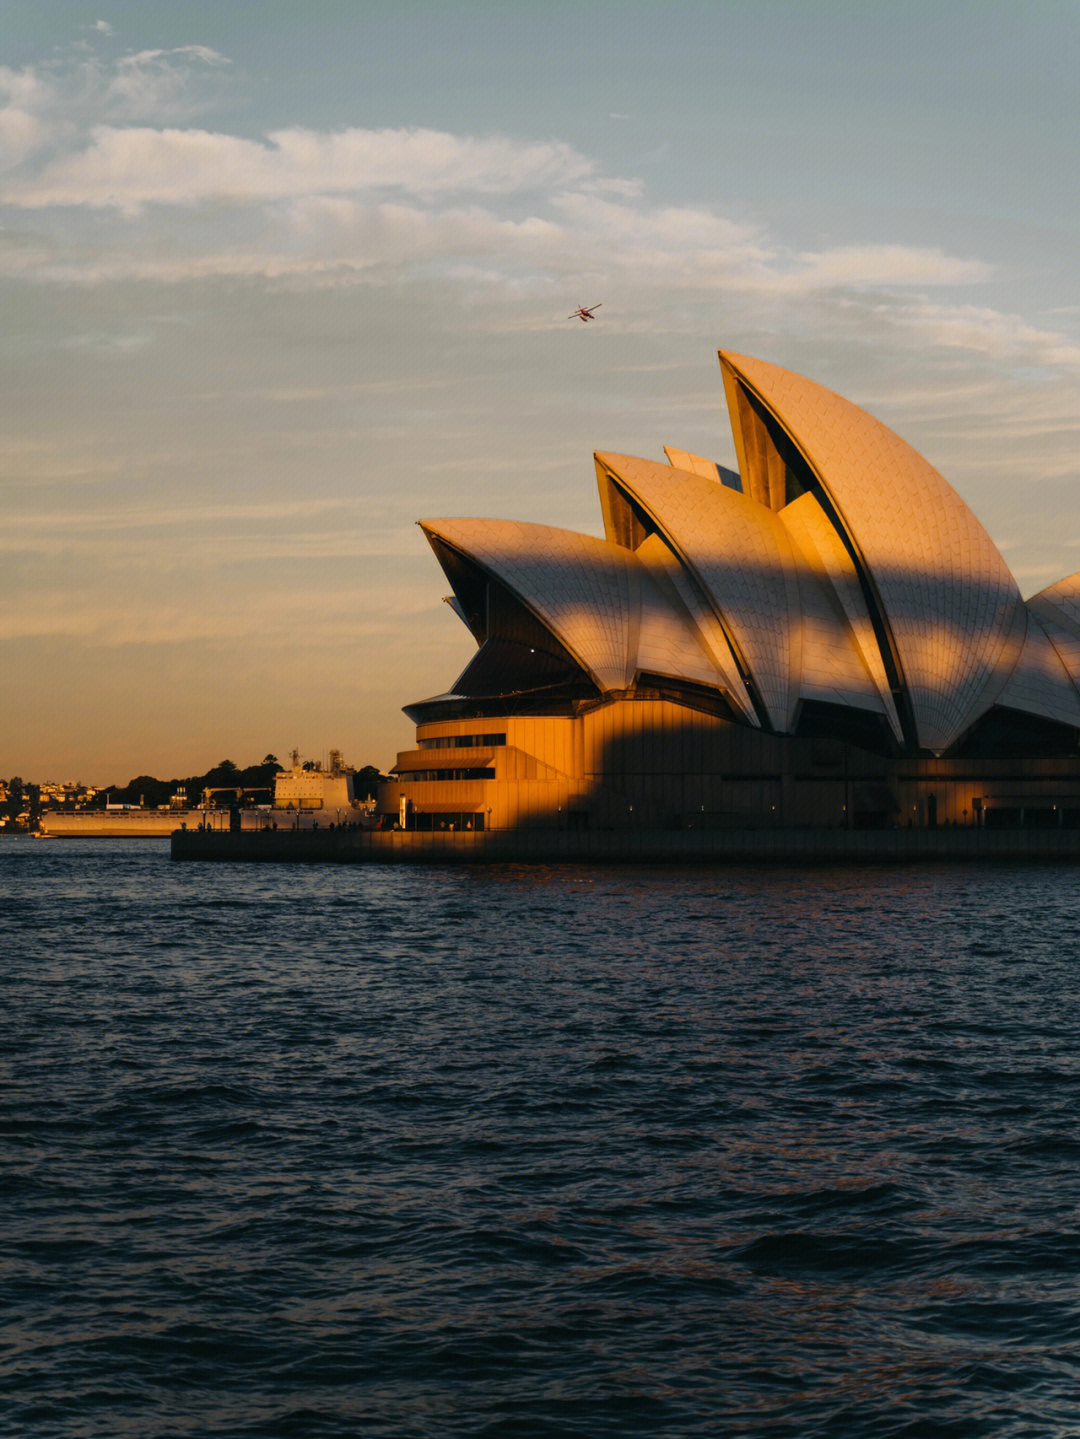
(826, 638)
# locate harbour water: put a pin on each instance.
(435, 1152)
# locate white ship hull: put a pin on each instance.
(117, 824)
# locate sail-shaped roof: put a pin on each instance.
(946, 609)
(840, 662)
(1057, 608)
(662, 650)
(741, 557)
(837, 568)
(1039, 683)
(1060, 602)
(598, 599)
(699, 465)
(823, 548)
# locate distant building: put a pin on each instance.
(330, 794)
(828, 637)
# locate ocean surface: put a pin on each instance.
(437, 1152)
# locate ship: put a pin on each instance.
(119, 821)
(306, 796)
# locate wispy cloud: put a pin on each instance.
(283, 618)
(982, 330)
(128, 518)
(920, 321)
(49, 109)
(886, 264)
(100, 156)
(129, 167)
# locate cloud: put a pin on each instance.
(102, 343)
(886, 265)
(27, 115)
(357, 204)
(156, 538)
(299, 615)
(165, 85)
(102, 159)
(47, 110)
(297, 219)
(982, 331)
(155, 518)
(998, 336)
(131, 167)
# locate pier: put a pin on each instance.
(541, 846)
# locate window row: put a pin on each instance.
(461, 741)
(440, 774)
(464, 821)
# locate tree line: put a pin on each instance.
(146, 789)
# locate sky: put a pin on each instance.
(278, 281)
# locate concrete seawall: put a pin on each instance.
(631, 846)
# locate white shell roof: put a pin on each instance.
(778, 603)
(699, 465)
(740, 554)
(692, 464)
(951, 604)
(1062, 600)
(1040, 683)
(823, 548)
(1057, 609)
(673, 580)
(833, 668)
(597, 598)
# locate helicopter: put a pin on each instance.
(584, 312)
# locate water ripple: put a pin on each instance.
(554, 1151)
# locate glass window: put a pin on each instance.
(461, 741)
